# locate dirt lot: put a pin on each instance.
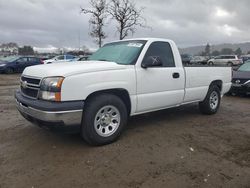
(172, 148)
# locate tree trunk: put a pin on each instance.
(121, 32)
(100, 41)
(121, 35)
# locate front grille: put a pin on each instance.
(30, 86)
(30, 92)
(33, 81)
(241, 81)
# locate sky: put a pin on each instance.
(51, 24)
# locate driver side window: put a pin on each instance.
(161, 51)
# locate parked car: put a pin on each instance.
(199, 60)
(122, 79)
(60, 58)
(186, 58)
(241, 79)
(81, 58)
(245, 58)
(17, 64)
(84, 58)
(229, 60)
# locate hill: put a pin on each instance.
(195, 50)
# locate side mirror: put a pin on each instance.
(151, 61)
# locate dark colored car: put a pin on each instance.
(241, 80)
(245, 58)
(186, 59)
(17, 64)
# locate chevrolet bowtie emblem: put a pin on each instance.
(24, 84)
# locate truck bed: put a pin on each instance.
(198, 79)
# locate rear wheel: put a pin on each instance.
(104, 118)
(230, 64)
(211, 103)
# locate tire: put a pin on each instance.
(229, 93)
(210, 63)
(230, 64)
(104, 118)
(211, 103)
(9, 70)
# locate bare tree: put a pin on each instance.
(97, 20)
(127, 16)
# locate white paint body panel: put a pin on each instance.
(156, 87)
(149, 89)
(198, 80)
(80, 86)
(70, 68)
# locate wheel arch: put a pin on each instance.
(123, 94)
(217, 83)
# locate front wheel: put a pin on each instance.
(104, 118)
(9, 70)
(211, 103)
(210, 63)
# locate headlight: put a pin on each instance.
(2, 65)
(50, 89)
(247, 83)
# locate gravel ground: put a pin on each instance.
(172, 148)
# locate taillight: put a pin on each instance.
(41, 61)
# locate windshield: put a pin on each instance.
(245, 67)
(9, 59)
(124, 52)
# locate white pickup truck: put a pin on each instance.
(122, 79)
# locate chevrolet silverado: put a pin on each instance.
(122, 79)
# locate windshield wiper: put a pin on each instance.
(106, 60)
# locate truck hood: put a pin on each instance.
(70, 68)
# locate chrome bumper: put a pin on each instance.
(67, 118)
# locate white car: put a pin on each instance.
(229, 60)
(199, 60)
(59, 59)
(122, 79)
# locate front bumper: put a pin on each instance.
(46, 113)
(240, 89)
